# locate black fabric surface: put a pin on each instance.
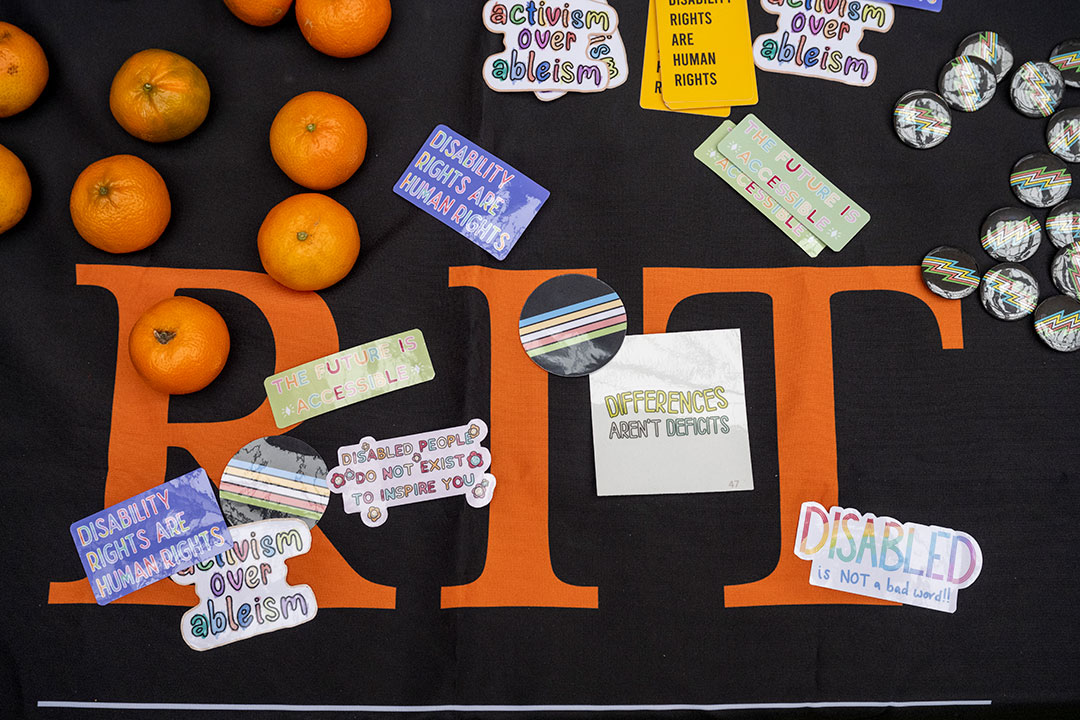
(982, 439)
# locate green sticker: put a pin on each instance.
(807, 194)
(347, 377)
(765, 203)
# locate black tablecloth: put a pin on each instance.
(956, 419)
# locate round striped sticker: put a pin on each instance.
(274, 477)
(572, 325)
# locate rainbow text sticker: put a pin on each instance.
(243, 591)
(375, 475)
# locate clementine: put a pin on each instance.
(318, 140)
(179, 345)
(120, 204)
(308, 242)
(260, 13)
(23, 70)
(343, 28)
(14, 189)
(158, 96)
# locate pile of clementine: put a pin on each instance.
(120, 204)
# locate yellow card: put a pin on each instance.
(651, 97)
(706, 58)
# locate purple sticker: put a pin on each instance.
(931, 5)
(150, 536)
(472, 191)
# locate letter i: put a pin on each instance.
(541, 14)
(254, 545)
(258, 608)
(845, 210)
(835, 530)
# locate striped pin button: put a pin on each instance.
(1057, 323)
(274, 477)
(572, 325)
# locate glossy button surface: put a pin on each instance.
(1057, 323)
(572, 325)
(922, 119)
(1040, 180)
(1066, 58)
(1011, 234)
(1063, 223)
(1065, 270)
(988, 46)
(1036, 89)
(950, 272)
(967, 83)
(1009, 291)
(1063, 134)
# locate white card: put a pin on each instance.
(669, 416)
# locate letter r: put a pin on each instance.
(141, 432)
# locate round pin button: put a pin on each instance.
(572, 325)
(967, 83)
(1011, 235)
(274, 477)
(922, 119)
(1065, 270)
(1040, 180)
(1066, 58)
(1057, 322)
(1037, 89)
(1063, 134)
(1009, 292)
(988, 46)
(1063, 223)
(950, 272)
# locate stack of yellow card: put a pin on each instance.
(698, 57)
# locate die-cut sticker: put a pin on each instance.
(150, 536)
(547, 47)
(607, 47)
(822, 44)
(881, 558)
(274, 477)
(374, 475)
(243, 592)
(347, 377)
(481, 197)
